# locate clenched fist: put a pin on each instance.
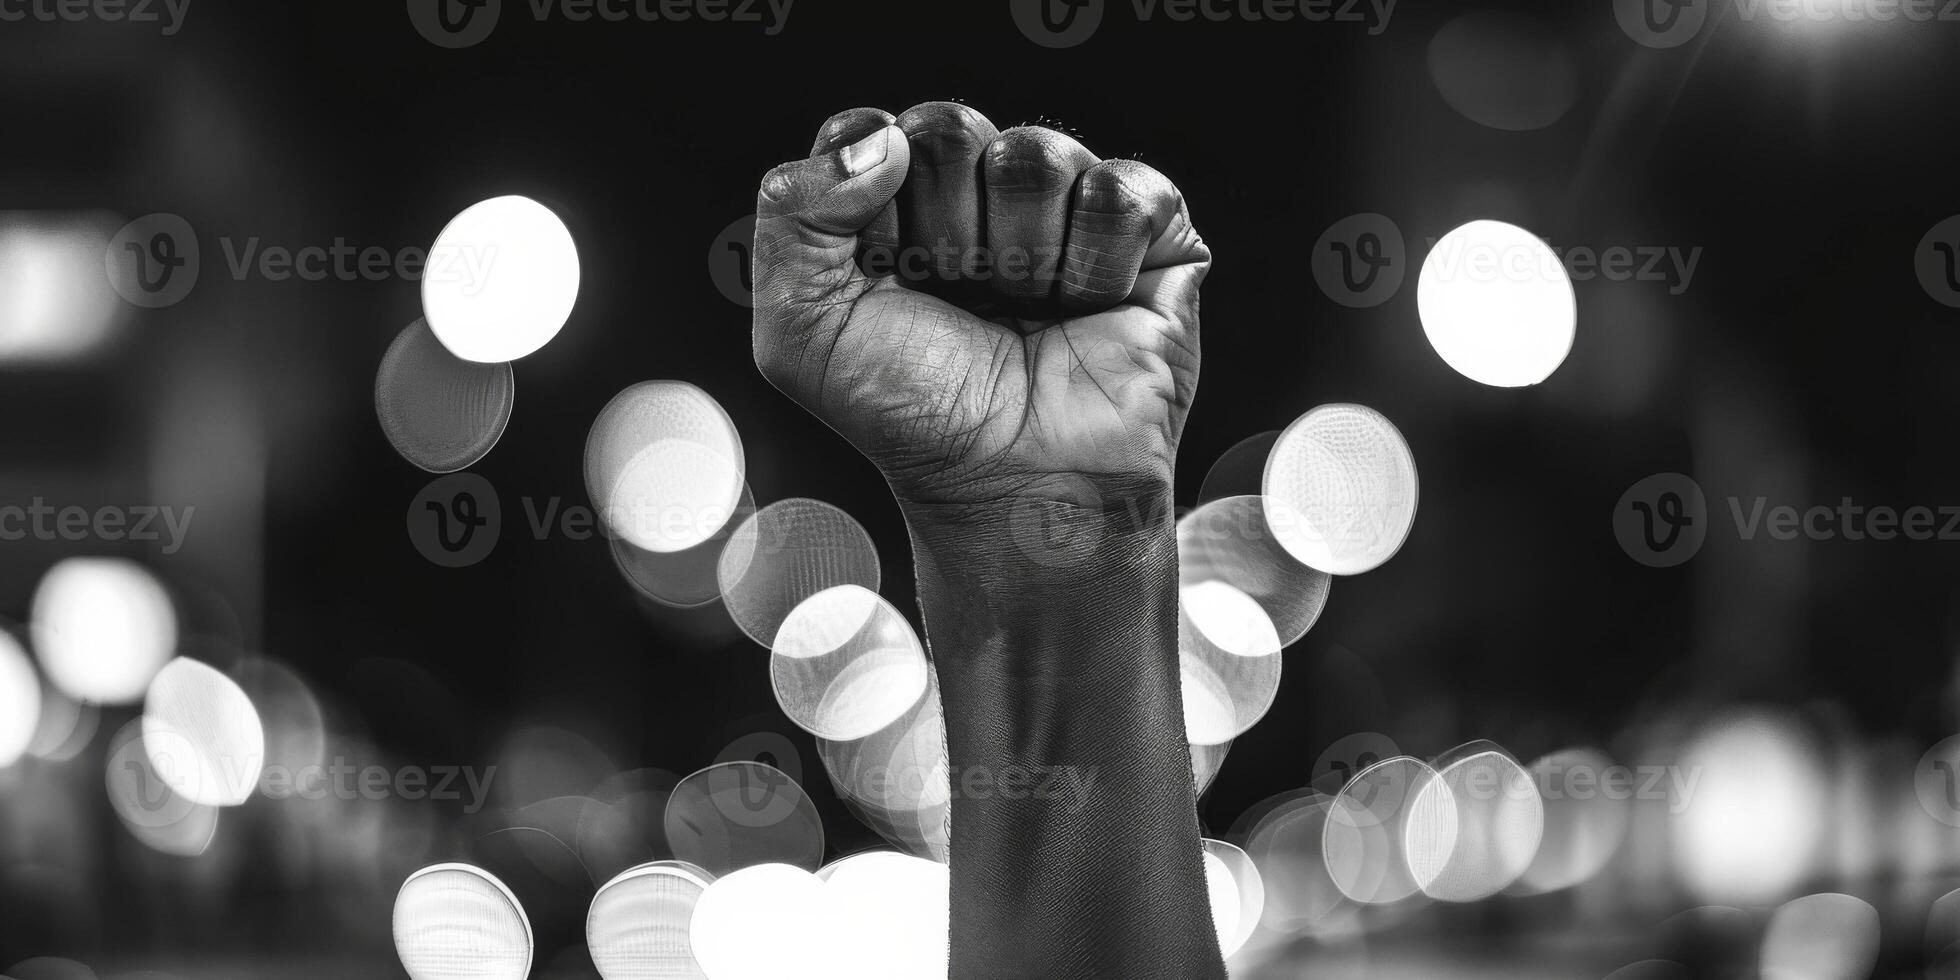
(983, 314)
(1008, 327)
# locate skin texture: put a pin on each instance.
(1007, 327)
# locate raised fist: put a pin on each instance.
(989, 316)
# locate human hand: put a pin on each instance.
(1036, 325)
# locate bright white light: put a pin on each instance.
(454, 921)
(1749, 831)
(664, 466)
(1249, 899)
(1341, 489)
(102, 627)
(1497, 305)
(896, 911)
(149, 809)
(1228, 662)
(202, 734)
(1821, 937)
(1373, 821)
(788, 905)
(637, 928)
(20, 700)
(846, 664)
(1487, 838)
(55, 301)
(501, 280)
(1223, 894)
(1228, 540)
(787, 552)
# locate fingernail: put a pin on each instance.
(867, 152)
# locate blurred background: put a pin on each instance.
(1803, 162)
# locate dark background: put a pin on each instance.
(1804, 362)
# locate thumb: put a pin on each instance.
(809, 214)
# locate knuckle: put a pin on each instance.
(944, 130)
(1030, 158)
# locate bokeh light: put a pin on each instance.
(501, 280)
(787, 552)
(1228, 662)
(897, 913)
(846, 664)
(1503, 70)
(1496, 304)
(896, 781)
(1249, 899)
(637, 928)
(440, 412)
(664, 466)
(1474, 829)
(1371, 823)
(1341, 489)
(1586, 819)
(1821, 937)
(454, 921)
(20, 700)
(681, 579)
(102, 628)
(152, 812)
(1750, 828)
(1229, 540)
(1222, 894)
(736, 814)
(202, 734)
(55, 300)
(768, 922)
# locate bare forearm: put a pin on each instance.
(1075, 846)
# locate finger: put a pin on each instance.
(810, 216)
(1029, 173)
(1131, 240)
(940, 207)
(841, 130)
(1123, 211)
